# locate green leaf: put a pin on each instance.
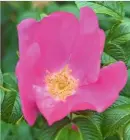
(115, 118)
(11, 108)
(89, 129)
(118, 41)
(10, 81)
(126, 90)
(51, 132)
(10, 105)
(1, 78)
(40, 123)
(118, 52)
(70, 8)
(111, 31)
(97, 118)
(127, 132)
(115, 137)
(86, 113)
(5, 129)
(128, 64)
(1, 87)
(127, 8)
(1, 96)
(16, 132)
(120, 32)
(114, 9)
(122, 100)
(107, 59)
(105, 22)
(23, 132)
(67, 133)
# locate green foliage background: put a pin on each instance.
(113, 124)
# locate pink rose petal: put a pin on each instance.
(104, 92)
(52, 43)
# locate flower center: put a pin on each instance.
(61, 84)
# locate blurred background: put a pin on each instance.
(11, 14)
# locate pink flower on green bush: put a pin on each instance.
(59, 69)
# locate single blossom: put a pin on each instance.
(59, 66)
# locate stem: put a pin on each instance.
(19, 120)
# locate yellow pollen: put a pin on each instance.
(61, 84)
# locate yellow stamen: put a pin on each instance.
(61, 84)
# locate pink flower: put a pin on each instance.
(59, 67)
